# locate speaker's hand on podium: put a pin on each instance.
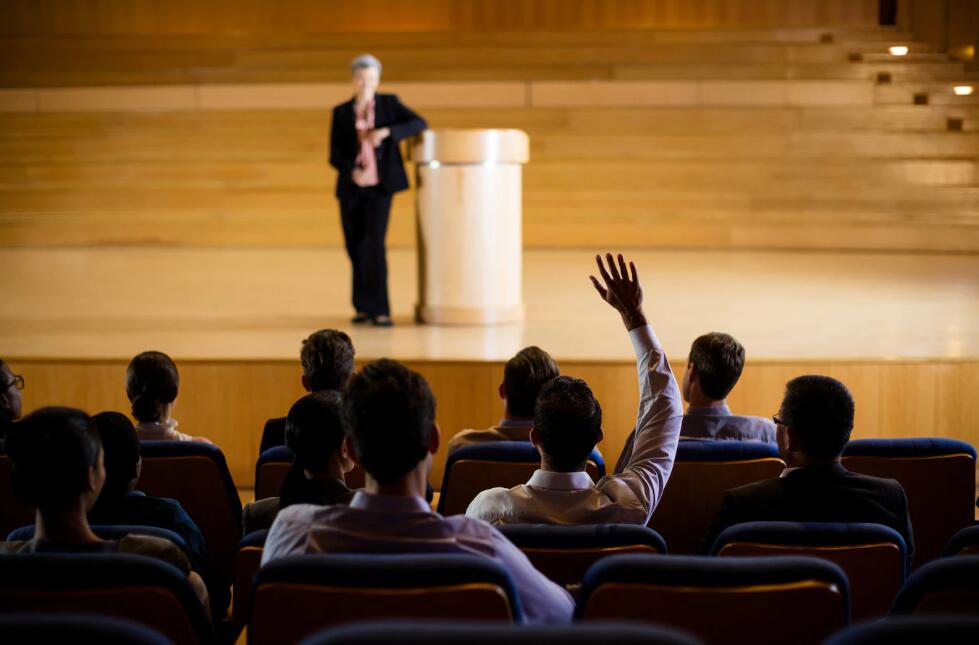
(622, 290)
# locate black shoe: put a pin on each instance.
(360, 319)
(382, 321)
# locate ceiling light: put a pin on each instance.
(898, 50)
(963, 90)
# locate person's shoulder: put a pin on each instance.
(154, 547)
(763, 489)
(260, 514)
(299, 513)
(869, 482)
(16, 546)
(491, 503)
(472, 437)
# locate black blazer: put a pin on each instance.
(825, 493)
(389, 112)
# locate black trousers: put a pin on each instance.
(364, 213)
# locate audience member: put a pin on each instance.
(58, 467)
(152, 382)
(523, 377)
(314, 433)
(814, 424)
(713, 368)
(389, 417)
(10, 399)
(568, 424)
(120, 502)
(327, 357)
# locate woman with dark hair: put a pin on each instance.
(364, 150)
(58, 467)
(152, 382)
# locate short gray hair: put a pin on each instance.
(365, 61)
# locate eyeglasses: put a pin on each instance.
(18, 382)
(779, 422)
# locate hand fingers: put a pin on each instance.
(625, 274)
(602, 271)
(601, 290)
(611, 266)
(635, 275)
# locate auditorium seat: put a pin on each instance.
(112, 532)
(296, 596)
(939, 477)
(247, 562)
(564, 553)
(413, 632)
(137, 588)
(772, 600)
(702, 473)
(196, 475)
(473, 469)
(965, 542)
(948, 586)
(873, 556)
(76, 628)
(950, 630)
(274, 463)
(13, 512)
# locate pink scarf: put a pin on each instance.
(366, 161)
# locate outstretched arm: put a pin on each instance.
(660, 413)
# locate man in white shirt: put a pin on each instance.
(389, 418)
(567, 425)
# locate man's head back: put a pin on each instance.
(120, 446)
(56, 459)
(314, 429)
(567, 423)
(523, 377)
(327, 356)
(389, 417)
(817, 417)
(715, 364)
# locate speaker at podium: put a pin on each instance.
(469, 215)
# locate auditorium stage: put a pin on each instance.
(901, 330)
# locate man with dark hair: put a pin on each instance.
(523, 377)
(814, 424)
(327, 357)
(58, 467)
(389, 418)
(120, 503)
(314, 433)
(11, 401)
(568, 424)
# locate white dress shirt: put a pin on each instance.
(628, 497)
(392, 524)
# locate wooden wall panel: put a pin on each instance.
(318, 16)
(229, 401)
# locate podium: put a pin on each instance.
(468, 202)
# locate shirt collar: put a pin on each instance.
(515, 423)
(709, 411)
(389, 503)
(579, 480)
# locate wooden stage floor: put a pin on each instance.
(257, 303)
(901, 330)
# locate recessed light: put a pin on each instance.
(898, 50)
(963, 90)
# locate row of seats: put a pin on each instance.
(767, 600)
(937, 474)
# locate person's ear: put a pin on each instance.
(534, 437)
(792, 443)
(692, 371)
(352, 452)
(305, 382)
(502, 390)
(601, 436)
(345, 448)
(434, 439)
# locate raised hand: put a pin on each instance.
(622, 289)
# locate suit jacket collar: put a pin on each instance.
(834, 469)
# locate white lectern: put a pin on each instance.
(469, 225)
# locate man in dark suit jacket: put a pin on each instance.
(327, 356)
(813, 426)
(364, 150)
